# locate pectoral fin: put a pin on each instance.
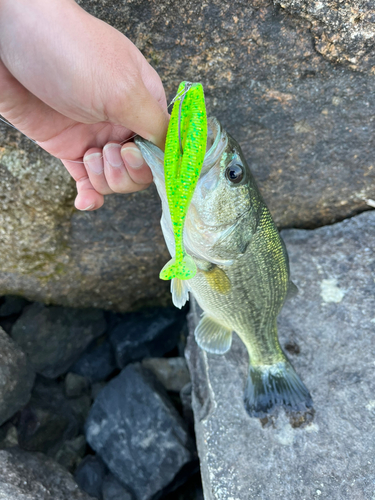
(180, 292)
(213, 337)
(218, 280)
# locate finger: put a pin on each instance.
(94, 164)
(136, 166)
(142, 113)
(116, 174)
(87, 198)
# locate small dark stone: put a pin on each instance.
(50, 418)
(75, 385)
(16, 377)
(171, 372)
(90, 475)
(53, 337)
(138, 433)
(114, 490)
(8, 436)
(71, 452)
(12, 304)
(150, 333)
(97, 362)
(292, 347)
(33, 476)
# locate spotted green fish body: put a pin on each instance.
(242, 278)
(187, 131)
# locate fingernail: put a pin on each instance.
(112, 155)
(94, 162)
(133, 157)
(88, 208)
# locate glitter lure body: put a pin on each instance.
(183, 158)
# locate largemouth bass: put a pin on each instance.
(243, 278)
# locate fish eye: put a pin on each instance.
(234, 173)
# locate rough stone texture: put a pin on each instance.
(171, 372)
(71, 452)
(75, 385)
(49, 419)
(152, 332)
(16, 377)
(306, 126)
(135, 429)
(54, 337)
(90, 475)
(33, 476)
(97, 362)
(329, 326)
(113, 490)
(343, 32)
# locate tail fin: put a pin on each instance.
(272, 386)
(182, 269)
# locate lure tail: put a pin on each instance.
(272, 386)
(183, 269)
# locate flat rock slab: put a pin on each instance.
(328, 331)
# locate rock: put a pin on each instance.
(187, 409)
(171, 372)
(16, 377)
(113, 489)
(97, 362)
(304, 120)
(345, 35)
(8, 436)
(75, 385)
(71, 452)
(149, 333)
(331, 321)
(138, 433)
(96, 388)
(90, 475)
(54, 337)
(12, 305)
(50, 418)
(33, 476)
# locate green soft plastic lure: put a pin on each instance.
(185, 149)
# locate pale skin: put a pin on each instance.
(80, 88)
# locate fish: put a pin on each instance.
(243, 276)
(185, 149)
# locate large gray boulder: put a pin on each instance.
(16, 377)
(138, 433)
(33, 476)
(293, 85)
(328, 330)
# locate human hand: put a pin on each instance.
(80, 88)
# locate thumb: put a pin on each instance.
(142, 113)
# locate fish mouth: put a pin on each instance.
(216, 142)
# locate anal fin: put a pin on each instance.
(213, 337)
(292, 290)
(180, 292)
